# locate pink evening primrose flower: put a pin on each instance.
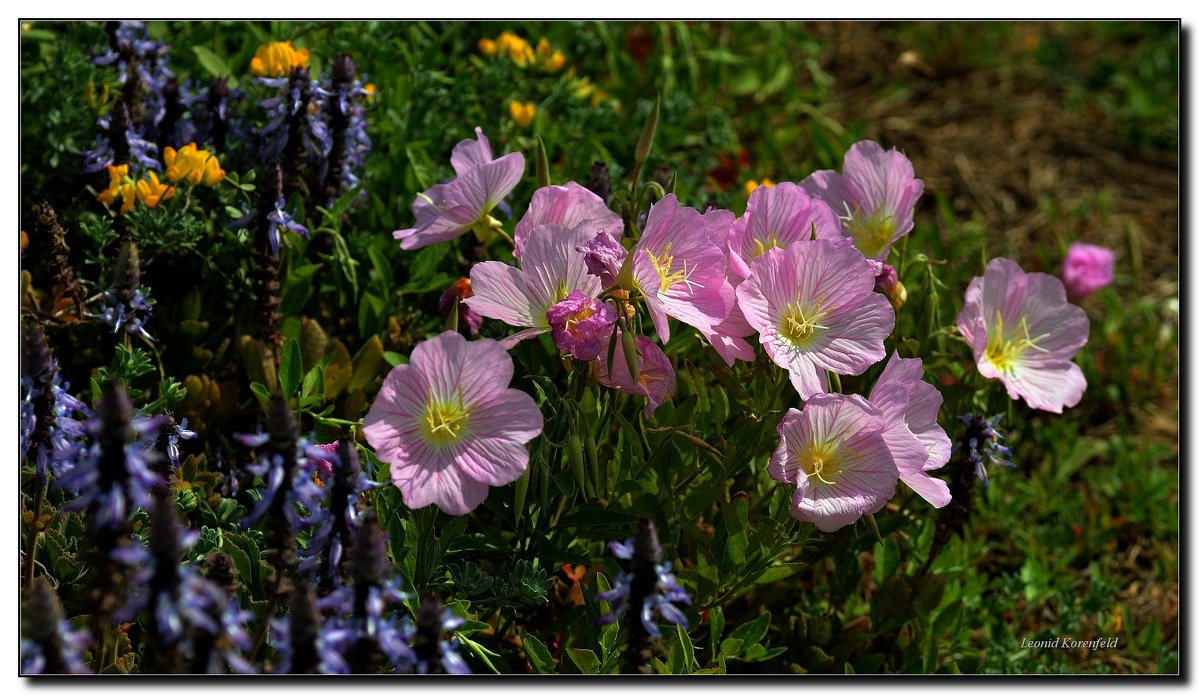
(776, 217)
(679, 270)
(916, 441)
(835, 454)
(550, 271)
(449, 426)
(1025, 333)
(728, 337)
(656, 375)
(1086, 269)
(581, 325)
(875, 194)
(450, 209)
(815, 310)
(569, 205)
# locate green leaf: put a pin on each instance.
(585, 660)
(481, 652)
(214, 64)
(752, 632)
(261, 392)
(537, 653)
(290, 365)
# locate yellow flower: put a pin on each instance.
(278, 58)
(547, 58)
(522, 113)
(488, 47)
(518, 50)
(752, 184)
(193, 165)
(151, 192)
(119, 185)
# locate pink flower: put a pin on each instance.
(656, 375)
(1086, 269)
(448, 210)
(776, 217)
(550, 270)
(581, 326)
(916, 441)
(679, 269)
(876, 194)
(1025, 333)
(324, 466)
(815, 311)
(449, 426)
(570, 206)
(835, 453)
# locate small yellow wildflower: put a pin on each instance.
(547, 58)
(278, 58)
(369, 88)
(752, 184)
(517, 49)
(151, 192)
(193, 165)
(488, 47)
(522, 113)
(119, 184)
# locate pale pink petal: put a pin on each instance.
(448, 225)
(569, 205)
(510, 342)
(454, 366)
(554, 268)
(439, 482)
(886, 179)
(471, 153)
(924, 402)
(854, 339)
(656, 375)
(500, 293)
(1047, 387)
(776, 218)
(499, 428)
(834, 189)
(482, 187)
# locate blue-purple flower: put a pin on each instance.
(130, 315)
(650, 585)
(984, 443)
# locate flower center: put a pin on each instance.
(1004, 351)
(572, 323)
(821, 461)
(666, 277)
(800, 323)
(871, 234)
(445, 420)
(761, 247)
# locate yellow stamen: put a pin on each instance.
(801, 323)
(1004, 351)
(870, 234)
(821, 461)
(445, 420)
(667, 278)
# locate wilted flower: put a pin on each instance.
(551, 269)
(459, 291)
(916, 441)
(835, 453)
(876, 193)
(448, 210)
(603, 257)
(1024, 333)
(813, 306)
(1086, 269)
(570, 206)
(278, 58)
(655, 374)
(679, 269)
(448, 424)
(581, 325)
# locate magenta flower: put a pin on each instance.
(776, 217)
(916, 441)
(450, 209)
(815, 310)
(581, 326)
(875, 193)
(1086, 269)
(835, 453)
(570, 206)
(656, 375)
(679, 269)
(449, 426)
(324, 466)
(1024, 333)
(550, 271)
(604, 256)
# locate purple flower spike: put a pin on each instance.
(581, 326)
